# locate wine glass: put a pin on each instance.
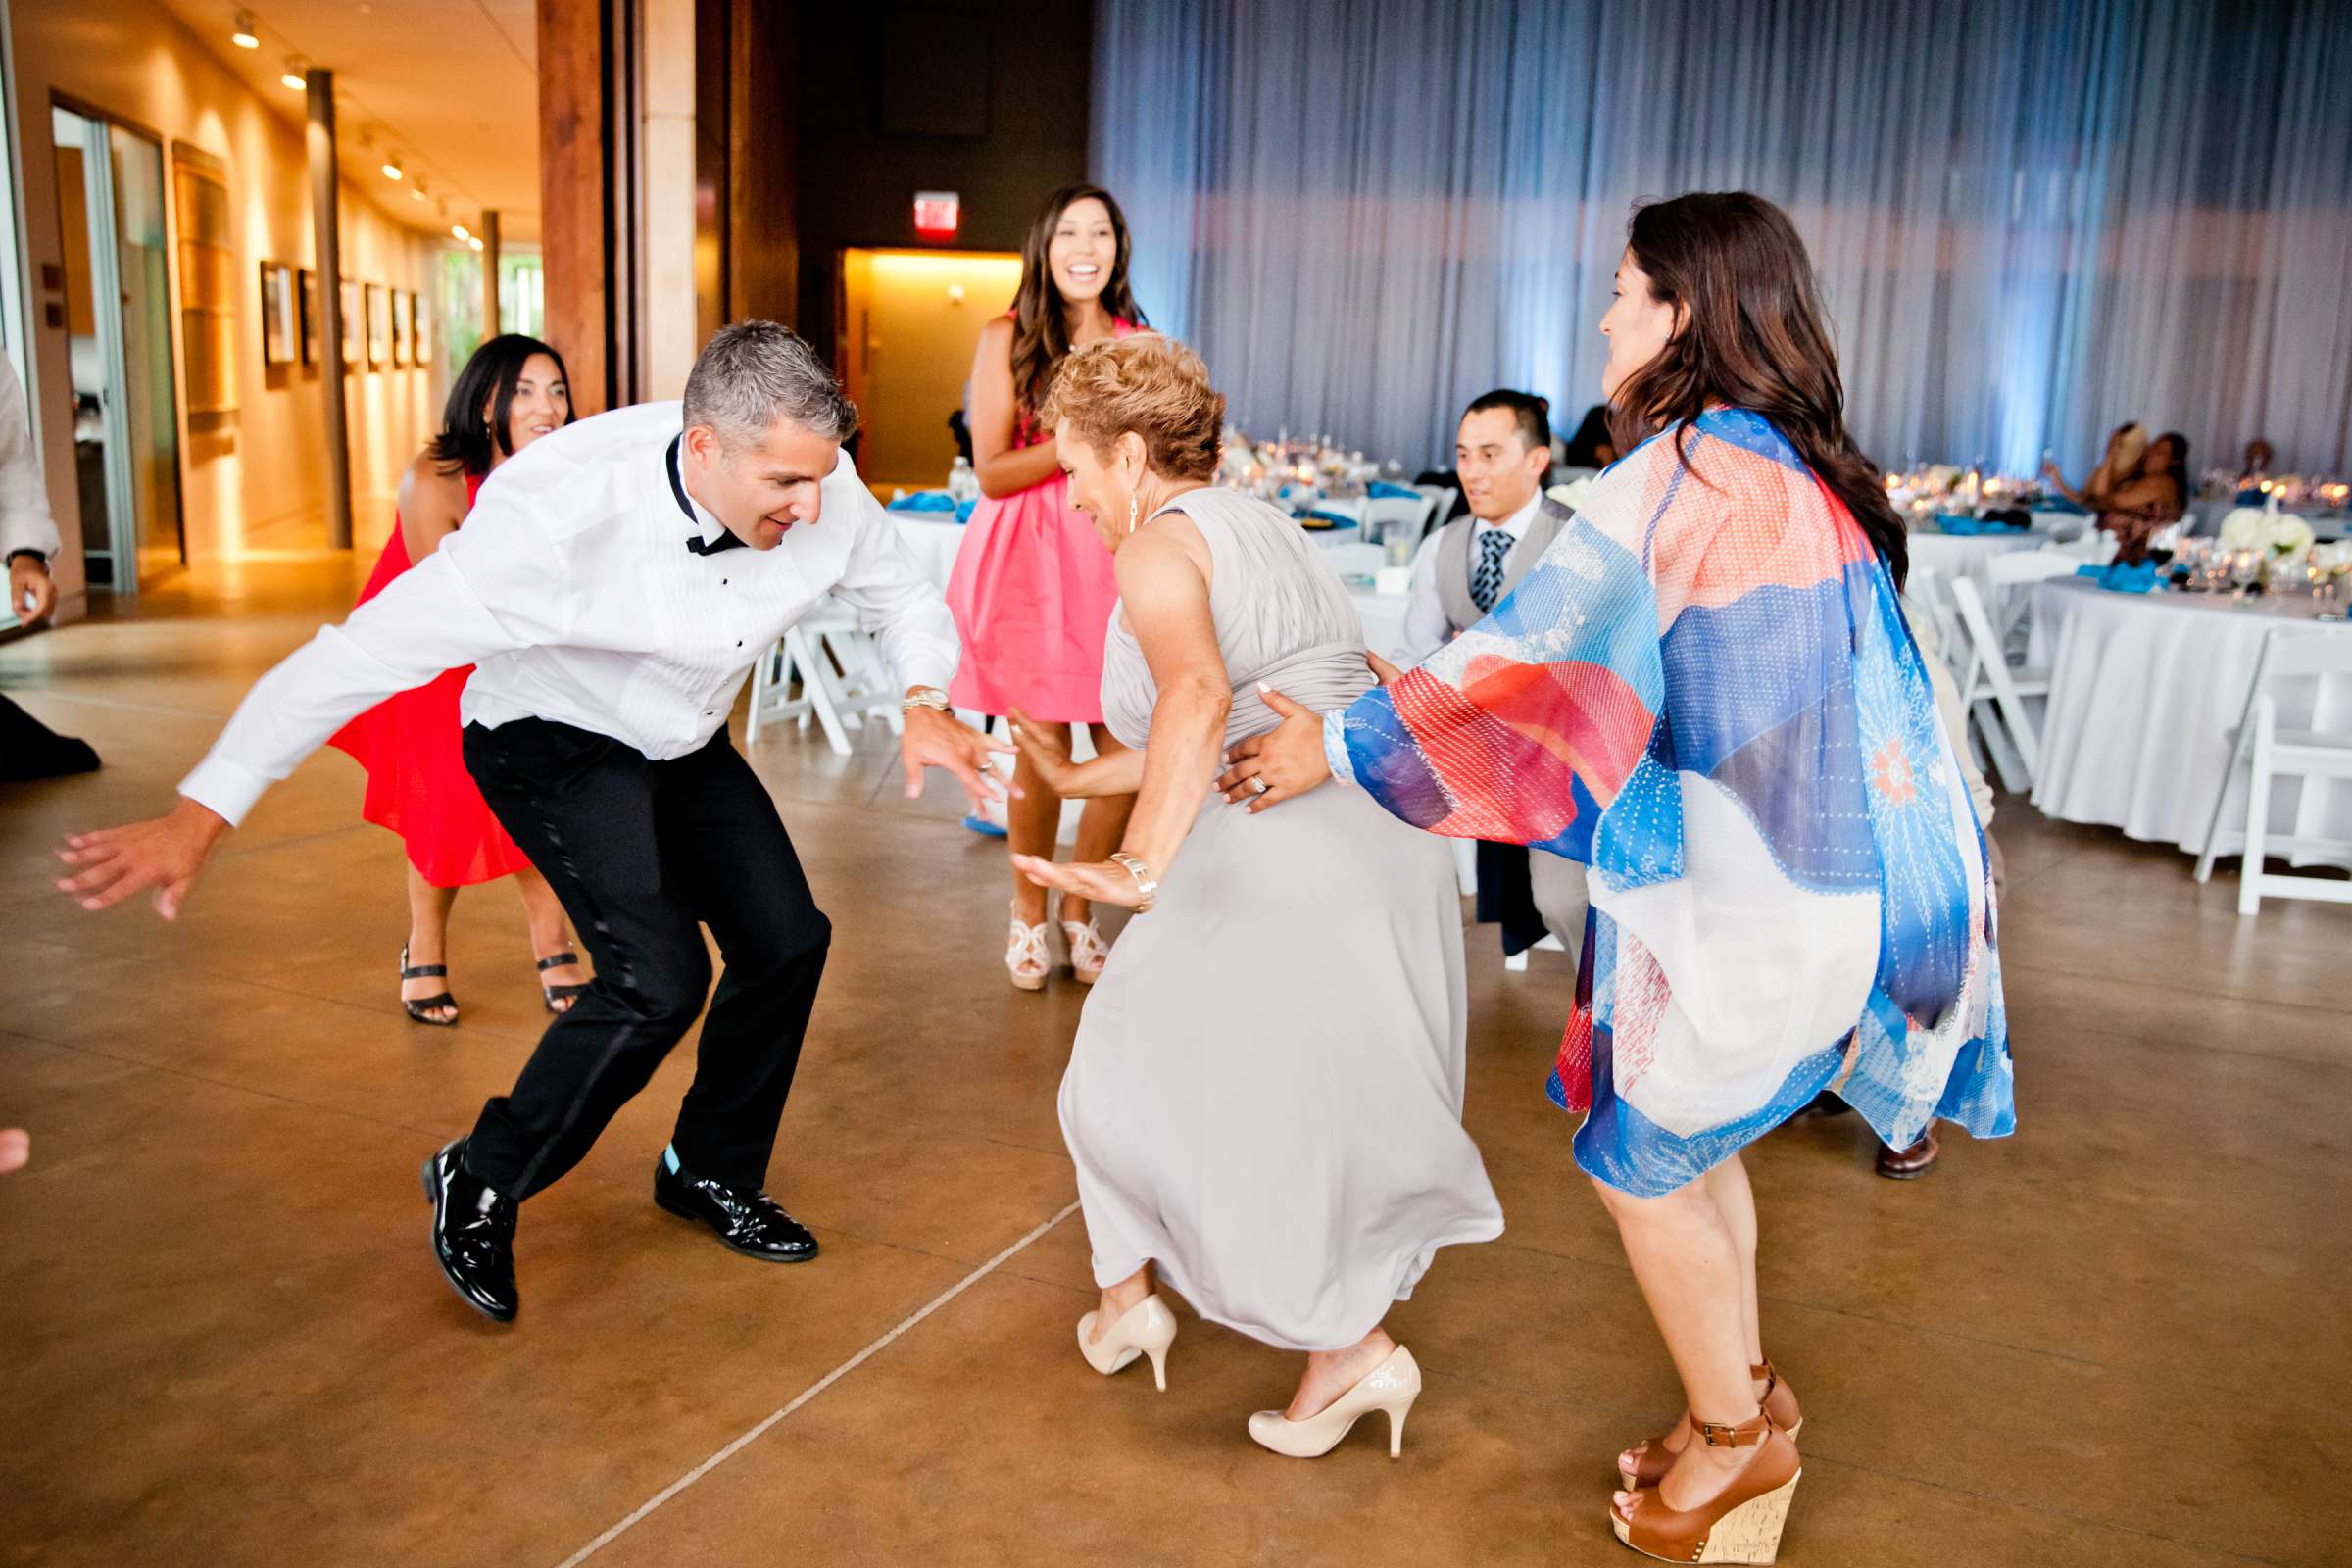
(2245, 570)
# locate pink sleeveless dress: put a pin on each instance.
(1032, 595)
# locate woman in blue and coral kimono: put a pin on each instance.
(1707, 692)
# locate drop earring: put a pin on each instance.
(1131, 511)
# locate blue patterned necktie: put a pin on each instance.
(1486, 578)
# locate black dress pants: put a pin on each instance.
(641, 853)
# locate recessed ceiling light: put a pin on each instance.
(297, 73)
(459, 232)
(392, 166)
(248, 34)
(476, 242)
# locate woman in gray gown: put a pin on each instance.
(1264, 1099)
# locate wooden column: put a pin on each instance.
(576, 193)
(319, 139)
(491, 325)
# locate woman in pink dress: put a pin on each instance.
(1033, 588)
(511, 393)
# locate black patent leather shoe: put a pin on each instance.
(473, 1234)
(746, 1219)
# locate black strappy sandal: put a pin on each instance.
(551, 994)
(420, 1010)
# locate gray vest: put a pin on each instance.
(1453, 562)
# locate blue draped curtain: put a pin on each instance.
(2033, 219)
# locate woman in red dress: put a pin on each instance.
(511, 393)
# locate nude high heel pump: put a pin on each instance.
(1742, 1523)
(1148, 1328)
(1393, 1385)
(1652, 1460)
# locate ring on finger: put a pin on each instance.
(1258, 785)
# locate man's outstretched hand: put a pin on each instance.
(934, 740)
(164, 853)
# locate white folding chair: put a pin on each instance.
(1994, 692)
(1926, 595)
(2264, 751)
(839, 675)
(1390, 520)
(1441, 503)
(1357, 560)
(2010, 577)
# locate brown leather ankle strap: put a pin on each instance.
(1746, 1434)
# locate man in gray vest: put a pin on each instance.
(1503, 452)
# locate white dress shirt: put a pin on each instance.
(25, 521)
(1426, 627)
(573, 590)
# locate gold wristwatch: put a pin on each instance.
(930, 696)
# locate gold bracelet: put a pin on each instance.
(1134, 866)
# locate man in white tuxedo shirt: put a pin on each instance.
(613, 587)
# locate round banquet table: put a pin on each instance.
(2147, 691)
(1963, 555)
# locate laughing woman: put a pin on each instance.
(511, 393)
(1032, 588)
(1706, 691)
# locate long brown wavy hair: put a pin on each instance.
(1755, 338)
(1040, 327)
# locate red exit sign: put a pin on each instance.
(937, 213)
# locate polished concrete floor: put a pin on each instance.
(2122, 1337)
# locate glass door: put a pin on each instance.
(110, 184)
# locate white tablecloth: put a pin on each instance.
(2147, 691)
(1963, 555)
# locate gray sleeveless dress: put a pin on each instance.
(1264, 1100)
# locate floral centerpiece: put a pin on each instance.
(2278, 535)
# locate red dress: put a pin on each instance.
(418, 785)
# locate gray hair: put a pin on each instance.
(753, 373)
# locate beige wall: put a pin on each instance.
(261, 483)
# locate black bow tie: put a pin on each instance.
(677, 488)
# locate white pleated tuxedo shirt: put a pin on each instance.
(573, 589)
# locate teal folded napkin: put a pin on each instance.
(925, 501)
(2122, 579)
(1387, 491)
(1954, 522)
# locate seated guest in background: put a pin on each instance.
(1592, 447)
(2256, 467)
(1502, 453)
(2138, 488)
(511, 393)
(28, 748)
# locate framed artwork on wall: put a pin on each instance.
(308, 296)
(380, 325)
(421, 345)
(207, 298)
(279, 329)
(350, 335)
(400, 327)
